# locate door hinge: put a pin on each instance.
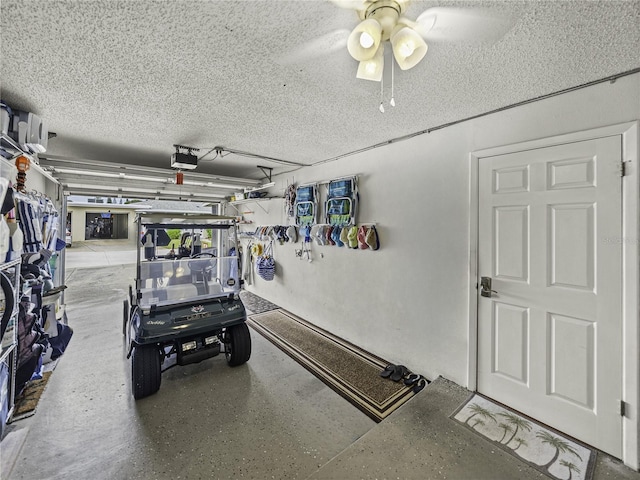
(623, 168)
(623, 408)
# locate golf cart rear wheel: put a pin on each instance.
(125, 316)
(145, 370)
(237, 345)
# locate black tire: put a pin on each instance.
(9, 298)
(145, 371)
(125, 316)
(237, 346)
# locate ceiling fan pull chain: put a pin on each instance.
(393, 101)
(381, 95)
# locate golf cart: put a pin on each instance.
(185, 306)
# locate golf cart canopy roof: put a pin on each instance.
(183, 219)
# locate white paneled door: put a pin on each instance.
(550, 335)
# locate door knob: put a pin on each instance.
(485, 287)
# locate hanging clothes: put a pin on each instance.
(50, 235)
(246, 265)
(233, 267)
(38, 220)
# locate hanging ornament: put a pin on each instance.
(179, 178)
(22, 164)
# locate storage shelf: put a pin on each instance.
(251, 200)
(6, 140)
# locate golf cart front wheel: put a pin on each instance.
(237, 345)
(145, 370)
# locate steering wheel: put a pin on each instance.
(203, 266)
(203, 254)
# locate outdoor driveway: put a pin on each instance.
(100, 253)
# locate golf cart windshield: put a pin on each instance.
(185, 258)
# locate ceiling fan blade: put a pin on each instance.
(316, 48)
(351, 4)
(462, 25)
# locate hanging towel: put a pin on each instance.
(29, 219)
(53, 232)
(246, 265)
(5, 237)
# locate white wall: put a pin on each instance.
(408, 302)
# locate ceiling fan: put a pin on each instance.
(383, 21)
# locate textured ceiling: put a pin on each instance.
(123, 81)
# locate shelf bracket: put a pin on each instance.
(244, 203)
(263, 209)
(264, 169)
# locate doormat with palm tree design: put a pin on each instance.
(350, 371)
(545, 450)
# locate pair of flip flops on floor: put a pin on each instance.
(400, 372)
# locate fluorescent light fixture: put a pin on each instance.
(261, 187)
(214, 185)
(126, 176)
(86, 172)
(91, 187)
(145, 179)
(154, 192)
(122, 175)
(223, 185)
(56, 161)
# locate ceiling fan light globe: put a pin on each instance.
(373, 68)
(408, 47)
(361, 36)
(368, 70)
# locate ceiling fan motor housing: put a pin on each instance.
(386, 13)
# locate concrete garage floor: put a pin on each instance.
(267, 419)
